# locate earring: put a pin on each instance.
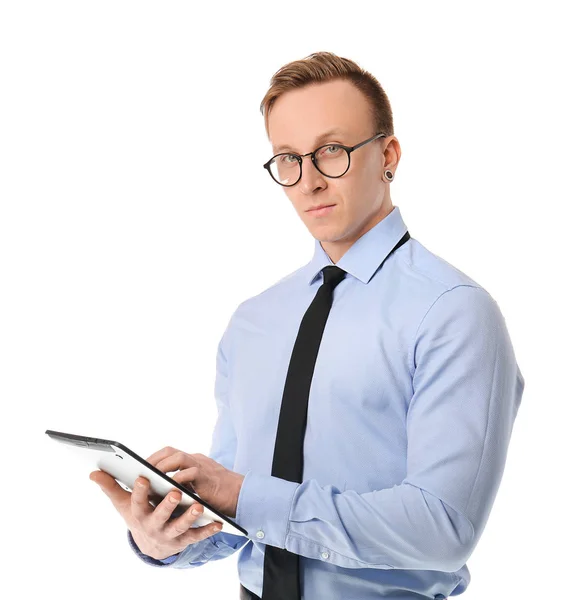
(389, 175)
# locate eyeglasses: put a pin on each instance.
(332, 160)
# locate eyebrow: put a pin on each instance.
(317, 140)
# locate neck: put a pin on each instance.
(335, 250)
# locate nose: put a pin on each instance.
(311, 178)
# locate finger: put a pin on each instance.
(118, 496)
(186, 476)
(180, 525)
(160, 454)
(196, 534)
(177, 461)
(102, 478)
(164, 510)
(140, 507)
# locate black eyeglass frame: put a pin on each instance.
(299, 157)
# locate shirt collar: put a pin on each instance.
(366, 253)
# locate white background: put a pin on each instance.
(135, 216)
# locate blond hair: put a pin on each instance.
(320, 67)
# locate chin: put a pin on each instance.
(326, 233)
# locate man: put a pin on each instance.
(414, 388)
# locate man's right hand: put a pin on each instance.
(154, 532)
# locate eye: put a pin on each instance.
(285, 158)
(330, 150)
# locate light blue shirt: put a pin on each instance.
(411, 408)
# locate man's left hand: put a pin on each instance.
(214, 483)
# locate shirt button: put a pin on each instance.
(325, 555)
(260, 534)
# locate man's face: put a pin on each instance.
(296, 121)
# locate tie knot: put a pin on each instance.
(333, 275)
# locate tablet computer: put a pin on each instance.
(125, 466)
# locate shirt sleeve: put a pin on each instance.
(223, 450)
(216, 547)
(467, 389)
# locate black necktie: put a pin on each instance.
(281, 568)
(281, 579)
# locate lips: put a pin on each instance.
(320, 206)
(321, 211)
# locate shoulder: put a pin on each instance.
(438, 293)
(429, 277)
(453, 302)
(277, 292)
(430, 269)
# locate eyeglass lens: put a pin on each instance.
(331, 160)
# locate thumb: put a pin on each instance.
(103, 479)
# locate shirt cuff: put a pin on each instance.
(170, 559)
(264, 506)
(148, 559)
